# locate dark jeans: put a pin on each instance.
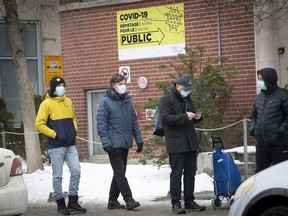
(267, 156)
(118, 159)
(186, 163)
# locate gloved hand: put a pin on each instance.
(108, 149)
(140, 147)
(251, 132)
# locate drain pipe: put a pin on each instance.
(245, 148)
(219, 31)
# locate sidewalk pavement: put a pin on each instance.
(160, 207)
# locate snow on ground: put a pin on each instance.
(147, 182)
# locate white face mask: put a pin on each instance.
(121, 89)
(261, 85)
(60, 91)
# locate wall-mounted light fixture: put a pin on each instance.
(281, 50)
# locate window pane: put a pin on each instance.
(95, 99)
(5, 48)
(9, 87)
(29, 39)
(33, 74)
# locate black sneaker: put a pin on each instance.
(115, 205)
(131, 204)
(194, 206)
(177, 208)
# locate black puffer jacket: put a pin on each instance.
(269, 115)
(180, 135)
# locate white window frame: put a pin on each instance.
(90, 125)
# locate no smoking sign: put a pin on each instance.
(125, 71)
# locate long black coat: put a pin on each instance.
(269, 115)
(180, 134)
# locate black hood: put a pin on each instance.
(270, 78)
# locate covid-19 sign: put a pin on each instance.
(151, 32)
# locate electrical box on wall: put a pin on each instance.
(281, 50)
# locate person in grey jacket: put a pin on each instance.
(117, 125)
(178, 116)
(269, 120)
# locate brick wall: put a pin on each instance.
(90, 54)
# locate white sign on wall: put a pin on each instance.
(125, 71)
(142, 82)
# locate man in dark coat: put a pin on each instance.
(269, 120)
(178, 116)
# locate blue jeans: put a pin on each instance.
(185, 164)
(69, 155)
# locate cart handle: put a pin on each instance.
(217, 141)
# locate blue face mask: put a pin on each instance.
(261, 85)
(60, 91)
(184, 93)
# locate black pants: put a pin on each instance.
(118, 159)
(267, 156)
(182, 163)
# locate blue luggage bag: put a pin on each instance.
(227, 177)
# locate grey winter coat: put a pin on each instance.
(117, 122)
(269, 115)
(180, 134)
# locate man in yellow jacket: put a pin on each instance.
(57, 120)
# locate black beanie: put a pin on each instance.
(54, 82)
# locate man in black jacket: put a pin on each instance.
(178, 116)
(269, 120)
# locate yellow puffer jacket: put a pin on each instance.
(57, 120)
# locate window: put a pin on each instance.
(95, 147)
(8, 81)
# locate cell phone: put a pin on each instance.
(199, 113)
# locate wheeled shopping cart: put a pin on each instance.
(227, 177)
